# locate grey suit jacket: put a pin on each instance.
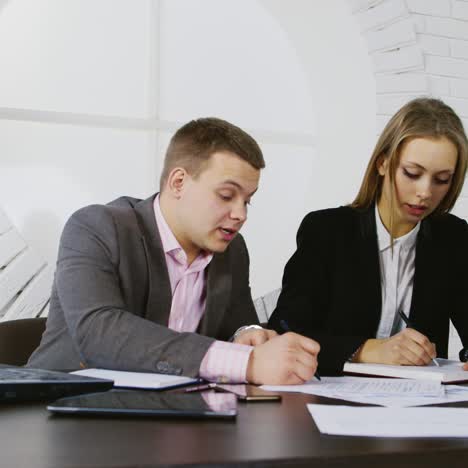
(111, 296)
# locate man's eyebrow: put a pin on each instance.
(237, 185)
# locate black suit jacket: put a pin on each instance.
(331, 285)
(111, 297)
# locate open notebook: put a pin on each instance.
(448, 372)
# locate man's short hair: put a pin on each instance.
(193, 144)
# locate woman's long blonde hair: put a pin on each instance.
(419, 118)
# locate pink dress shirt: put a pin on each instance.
(223, 362)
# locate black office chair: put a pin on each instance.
(19, 338)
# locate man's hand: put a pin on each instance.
(255, 337)
(465, 366)
(283, 360)
(407, 348)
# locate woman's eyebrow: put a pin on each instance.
(450, 171)
(230, 182)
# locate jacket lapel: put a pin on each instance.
(159, 298)
(370, 267)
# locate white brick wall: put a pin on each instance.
(358, 5)
(434, 45)
(402, 83)
(447, 66)
(430, 7)
(459, 48)
(382, 13)
(459, 105)
(459, 88)
(439, 86)
(401, 59)
(388, 104)
(395, 35)
(444, 27)
(460, 9)
(418, 48)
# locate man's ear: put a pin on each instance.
(382, 164)
(176, 180)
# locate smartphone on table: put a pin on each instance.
(247, 392)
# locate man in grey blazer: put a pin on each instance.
(162, 284)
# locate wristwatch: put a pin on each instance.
(463, 355)
(243, 329)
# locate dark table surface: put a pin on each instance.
(264, 435)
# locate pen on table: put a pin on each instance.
(284, 325)
(201, 387)
(410, 325)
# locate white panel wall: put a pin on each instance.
(48, 171)
(271, 228)
(90, 93)
(232, 59)
(76, 103)
(76, 56)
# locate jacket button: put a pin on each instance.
(162, 366)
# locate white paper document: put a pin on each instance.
(338, 387)
(379, 391)
(386, 422)
(138, 379)
(453, 393)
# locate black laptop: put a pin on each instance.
(27, 384)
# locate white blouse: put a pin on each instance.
(396, 276)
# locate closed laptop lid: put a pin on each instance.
(24, 383)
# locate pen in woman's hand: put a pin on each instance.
(405, 319)
(284, 325)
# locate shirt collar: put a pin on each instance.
(171, 245)
(407, 241)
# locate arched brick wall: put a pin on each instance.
(417, 47)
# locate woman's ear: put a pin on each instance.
(382, 164)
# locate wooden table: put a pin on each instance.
(264, 435)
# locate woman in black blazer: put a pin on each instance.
(395, 248)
